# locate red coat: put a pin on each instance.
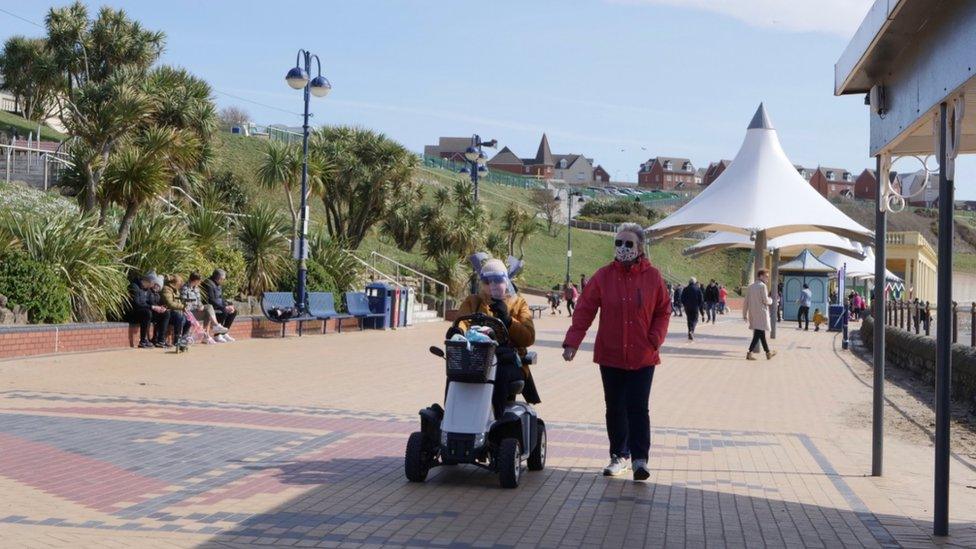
(635, 310)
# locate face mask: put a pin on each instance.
(497, 285)
(625, 250)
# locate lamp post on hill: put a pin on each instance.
(569, 225)
(477, 161)
(319, 86)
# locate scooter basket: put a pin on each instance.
(469, 365)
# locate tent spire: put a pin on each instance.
(760, 120)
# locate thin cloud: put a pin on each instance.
(838, 17)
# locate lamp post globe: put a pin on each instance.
(482, 158)
(471, 154)
(297, 78)
(320, 86)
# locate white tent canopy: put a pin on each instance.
(807, 263)
(761, 190)
(856, 268)
(787, 244)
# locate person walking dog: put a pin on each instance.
(755, 311)
(635, 310)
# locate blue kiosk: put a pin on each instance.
(805, 269)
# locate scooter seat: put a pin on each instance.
(515, 387)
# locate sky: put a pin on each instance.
(620, 81)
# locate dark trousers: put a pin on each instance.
(803, 315)
(142, 317)
(504, 374)
(570, 306)
(177, 320)
(758, 336)
(627, 394)
(160, 326)
(710, 311)
(676, 309)
(692, 314)
(226, 319)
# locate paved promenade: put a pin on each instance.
(299, 442)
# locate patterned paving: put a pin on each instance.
(307, 476)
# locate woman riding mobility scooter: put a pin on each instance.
(487, 366)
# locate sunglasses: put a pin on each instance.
(626, 243)
(494, 279)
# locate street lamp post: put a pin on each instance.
(569, 227)
(477, 160)
(319, 86)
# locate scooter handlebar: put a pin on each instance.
(481, 319)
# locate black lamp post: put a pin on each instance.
(319, 86)
(477, 160)
(569, 226)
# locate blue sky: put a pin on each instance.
(617, 80)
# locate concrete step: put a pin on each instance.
(420, 317)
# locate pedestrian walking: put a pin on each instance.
(634, 311)
(723, 296)
(805, 300)
(676, 306)
(570, 294)
(693, 301)
(755, 311)
(711, 301)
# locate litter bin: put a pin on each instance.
(835, 318)
(379, 296)
(411, 300)
(395, 307)
(404, 299)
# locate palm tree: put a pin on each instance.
(262, 239)
(134, 176)
(281, 167)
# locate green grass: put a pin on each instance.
(10, 122)
(545, 254)
(964, 262)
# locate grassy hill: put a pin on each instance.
(11, 123)
(545, 254)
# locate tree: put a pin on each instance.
(28, 71)
(262, 240)
(102, 65)
(517, 225)
(364, 175)
(281, 167)
(548, 205)
(234, 116)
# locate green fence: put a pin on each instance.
(494, 176)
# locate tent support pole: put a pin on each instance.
(880, 247)
(760, 249)
(774, 288)
(943, 335)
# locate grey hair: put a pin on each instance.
(219, 274)
(693, 280)
(634, 228)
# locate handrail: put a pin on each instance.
(370, 267)
(446, 290)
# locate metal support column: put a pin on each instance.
(943, 337)
(880, 252)
(774, 288)
(760, 252)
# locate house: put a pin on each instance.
(601, 175)
(714, 170)
(866, 184)
(449, 148)
(833, 182)
(571, 168)
(666, 173)
(699, 176)
(805, 173)
(918, 192)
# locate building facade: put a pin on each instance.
(832, 182)
(667, 173)
(449, 148)
(714, 170)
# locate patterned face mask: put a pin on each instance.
(625, 250)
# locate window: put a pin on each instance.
(667, 164)
(667, 178)
(686, 167)
(830, 175)
(657, 178)
(562, 164)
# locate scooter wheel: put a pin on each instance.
(416, 463)
(537, 459)
(509, 463)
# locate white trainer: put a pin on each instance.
(228, 338)
(641, 472)
(219, 329)
(617, 466)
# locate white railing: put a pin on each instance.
(28, 160)
(426, 282)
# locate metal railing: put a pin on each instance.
(33, 163)
(917, 317)
(426, 282)
(494, 176)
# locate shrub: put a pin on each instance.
(37, 287)
(262, 240)
(159, 242)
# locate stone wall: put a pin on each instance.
(904, 349)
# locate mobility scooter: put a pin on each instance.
(466, 431)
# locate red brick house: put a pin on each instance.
(833, 182)
(600, 174)
(867, 183)
(714, 170)
(450, 148)
(542, 165)
(667, 173)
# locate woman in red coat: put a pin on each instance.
(635, 309)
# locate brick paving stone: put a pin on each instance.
(299, 442)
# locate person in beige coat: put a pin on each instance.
(755, 311)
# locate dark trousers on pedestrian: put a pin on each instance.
(676, 309)
(570, 306)
(226, 319)
(758, 336)
(692, 314)
(710, 312)
(143, 317)
(803, 315)
(177, 319)
(627, 394)
(160, 326)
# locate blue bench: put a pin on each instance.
(358, 306)
(282, 300)
(321, 305)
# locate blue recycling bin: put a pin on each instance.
(835, 318)
(380, 298)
